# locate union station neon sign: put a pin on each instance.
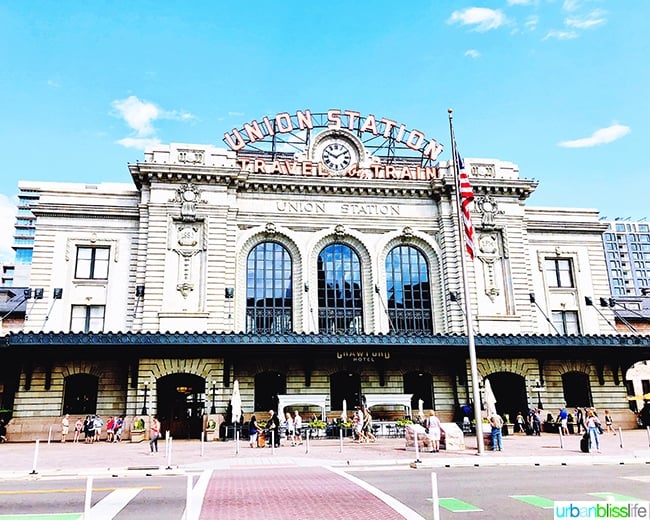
(303, 120)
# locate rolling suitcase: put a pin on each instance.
(584, 443)
(261, 440)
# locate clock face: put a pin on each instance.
(337, 156)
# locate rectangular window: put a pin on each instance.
(92, 263)
(559, 272)
(566, 321)
(87, 318)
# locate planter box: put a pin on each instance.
(137, 436)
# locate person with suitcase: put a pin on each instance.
(592, 424)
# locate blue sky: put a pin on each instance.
(559, 87)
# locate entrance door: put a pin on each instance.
(181, 405)
(510, 393)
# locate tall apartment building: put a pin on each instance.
(24, 231)
(627, 253)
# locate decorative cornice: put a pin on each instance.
(510, 341)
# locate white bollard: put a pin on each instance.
(417, 448)
(188, 499)
(561, 437)
(648, 431)
(435, 499)
(49, 436)
(273, 441)
(307, 441)
(35, 458)
(88, 499)
(169, 453)
(237, 442)
(203, 435)
(620, 437)
(341, 440)
(167, 437)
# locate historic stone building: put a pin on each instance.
(316, 261)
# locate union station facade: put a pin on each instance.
(315, 259)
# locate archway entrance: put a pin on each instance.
(510, 393)
(181, 405)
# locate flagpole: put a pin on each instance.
(476, 395)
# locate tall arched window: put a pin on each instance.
(268, 289)
(80, 394)
(407, 287)
(340, 306)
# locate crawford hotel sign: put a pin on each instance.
(349, 144)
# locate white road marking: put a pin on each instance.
(403, 510)
(113, 503)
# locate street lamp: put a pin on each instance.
(144, 402)
(213, 408)
(537, 387)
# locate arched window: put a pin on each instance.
(408, 291)
(345, 385)
(577, 391)
(268, 385)
(268, 289)
(420, 384)
(80, 394)
(340, 306)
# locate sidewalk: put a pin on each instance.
(20, 460)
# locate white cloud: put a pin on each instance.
(472, 53)
(570, 5)
(235, 114)
(53, 83)
(139, 143)
(7, 215)
(140, 115)
(531, 23)
(601, 136)
(483, 18)
(520, 2)
(593, 19)
(560, 35)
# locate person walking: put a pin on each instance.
(297, 427)
(253, 431)
(155, 434)
(496, 422)
(434, 431)
(609, 423)
(65, 427)
(288, 428)
(273, 425)
(592, 429)
(580, 420)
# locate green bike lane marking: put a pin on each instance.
(534, 500)
(617, 498)
(457, 506)
(44, 516)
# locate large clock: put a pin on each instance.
(337, 155)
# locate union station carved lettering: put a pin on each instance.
(308, 207)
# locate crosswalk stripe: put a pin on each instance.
(457, 506)
(113, 503)
(534, 500)
(616, 497)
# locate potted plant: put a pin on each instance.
(210, 427)
(317, 428)
(137, 430)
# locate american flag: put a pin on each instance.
(466, 197)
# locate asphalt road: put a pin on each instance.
(464, 492)
(508, 491)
